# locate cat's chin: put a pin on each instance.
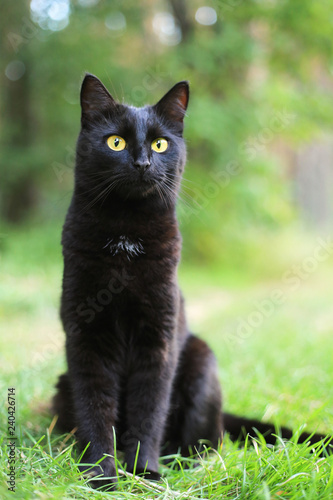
(139, 190)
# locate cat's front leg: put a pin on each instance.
(94, 381)
(148, 397)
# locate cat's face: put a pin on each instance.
(132, 153)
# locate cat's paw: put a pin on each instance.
(151, 475)
(102, 475)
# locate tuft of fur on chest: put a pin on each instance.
(125, 245)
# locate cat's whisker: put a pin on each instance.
(185, 202)
(160, 192)
(97, 175)
(184, 179)
(109, 190)
(93, 202)
(108, 180)
(188, 190)
(168, 197)
(96, 188)
(189, 199)
(102, 195)
(179, 185)
(189, 181)
(172, 194)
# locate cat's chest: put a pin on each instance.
(124, 246)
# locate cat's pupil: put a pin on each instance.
(116, 142)
(158, 144)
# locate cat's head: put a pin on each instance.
(127, 152)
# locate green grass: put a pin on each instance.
(279, 370)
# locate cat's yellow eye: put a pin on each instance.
(159, 145)
(116, 143)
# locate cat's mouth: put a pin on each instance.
(140, 188)
(144, 186)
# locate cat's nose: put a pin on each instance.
(142, 165)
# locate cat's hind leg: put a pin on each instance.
(196, 403)
(62, 405)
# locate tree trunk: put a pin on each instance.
(17, 187)
(180, 12)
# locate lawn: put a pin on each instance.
(271, 332)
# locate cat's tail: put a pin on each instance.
(239, 427)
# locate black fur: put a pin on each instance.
(133, 365)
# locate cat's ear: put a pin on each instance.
(174, 104)
(94, 96)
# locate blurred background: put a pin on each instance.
(259, 127)
(256, 203)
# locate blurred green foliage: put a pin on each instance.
(260, 74)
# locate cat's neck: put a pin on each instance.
(152, 206)
(120, 220)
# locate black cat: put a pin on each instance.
(134, 369)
